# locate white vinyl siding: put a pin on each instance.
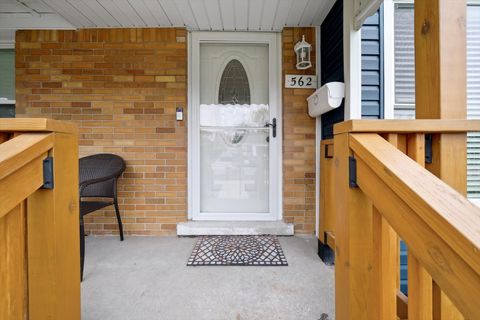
(404, 100)
(473, 100)
(404, 62)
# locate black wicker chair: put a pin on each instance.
(98, 179)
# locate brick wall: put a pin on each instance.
(299, 140)
(121, 86)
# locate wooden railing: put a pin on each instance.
(383, 193)
(39, 221)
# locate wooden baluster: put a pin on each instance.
(326, 223)
(402, 306)
(443, 308)
(53, 239)
(3, 137)
(13, 270)
(419, 281)
(449, 164)
(419, 290)
(400, 142)
(386, 255)
(385, 244)
(354, 278)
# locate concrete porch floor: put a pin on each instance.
(147, 278)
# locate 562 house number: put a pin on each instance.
(300, 81)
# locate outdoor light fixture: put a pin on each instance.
(302, 50)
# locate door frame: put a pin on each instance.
(273, 39)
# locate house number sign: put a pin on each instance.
(300, 81)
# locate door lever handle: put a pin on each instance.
(274, 127)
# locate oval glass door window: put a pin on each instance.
(234, 87)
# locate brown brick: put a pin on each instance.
(121, 86)
(299, 140)
(51, 84)
(165, 130)
(165, 79)
(98, 78)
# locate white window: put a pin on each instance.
(403, 80)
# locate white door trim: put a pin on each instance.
(389, 59)
(275, 100)
(352, 60)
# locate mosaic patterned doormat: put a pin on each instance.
(262, 250)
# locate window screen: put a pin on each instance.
(7, 74)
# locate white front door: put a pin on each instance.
(235, 128)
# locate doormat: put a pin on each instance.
(264, 250)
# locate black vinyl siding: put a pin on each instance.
(331, 46)
(332, 67)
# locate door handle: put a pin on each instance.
(274, 127)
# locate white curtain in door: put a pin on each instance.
(234, 115)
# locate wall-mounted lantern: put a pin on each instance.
(302, 50)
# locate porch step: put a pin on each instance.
(220, 228)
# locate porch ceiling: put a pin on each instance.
(253, 15)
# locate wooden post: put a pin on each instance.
(441, 90)
(440, 59)
(53, 238)
(355, 289)
(440, 62)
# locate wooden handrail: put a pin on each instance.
(36, 125)
(21, 171)
(21, 184)
(407, 126)
(448, 212)
(440, 226)
(22, 149)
